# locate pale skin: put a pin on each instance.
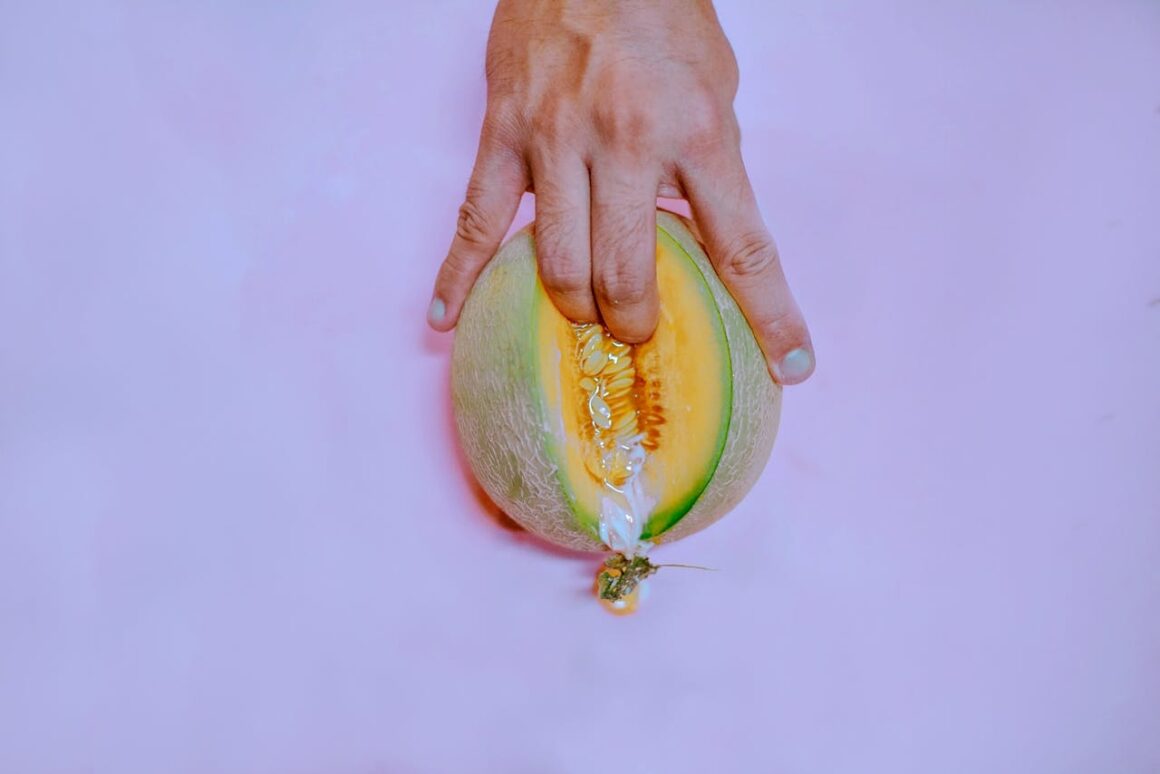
(600, 107)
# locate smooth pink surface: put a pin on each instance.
(234, 533)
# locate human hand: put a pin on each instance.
(599, 107)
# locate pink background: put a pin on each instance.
(235, 535)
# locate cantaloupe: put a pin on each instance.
(597, 445)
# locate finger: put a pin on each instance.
(747, 261)
(624, 245)
(665, 190)
(493, 195)
(563, 248)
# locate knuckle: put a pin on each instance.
(473, 225)
(561, 267)
(623, 287)
(553, 234)
(707, 128)
(502, 125)
(564, 276)
(728, 78)
(627, 121)
(780, 324)
(552, 123)
(456, 266)
(750, 255)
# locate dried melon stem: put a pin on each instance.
(620, 576)
(618, 584)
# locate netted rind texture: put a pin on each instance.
(496, 396)
(500, 417)
(756, 401)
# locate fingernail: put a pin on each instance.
(436, 311)
(795, 366)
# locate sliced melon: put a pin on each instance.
(595, 444)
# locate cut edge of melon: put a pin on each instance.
(659, 523)
(580, 489)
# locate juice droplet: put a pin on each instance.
(628, 604)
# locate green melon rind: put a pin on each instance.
(662, 521)
(756, 400)
(556, 442)
(495, 392)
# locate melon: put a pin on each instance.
(597, 445)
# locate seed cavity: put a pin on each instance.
(622, 407)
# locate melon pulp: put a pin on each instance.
(594, 444)
(668, 400)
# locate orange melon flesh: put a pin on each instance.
(650, 419)
(699, 403)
